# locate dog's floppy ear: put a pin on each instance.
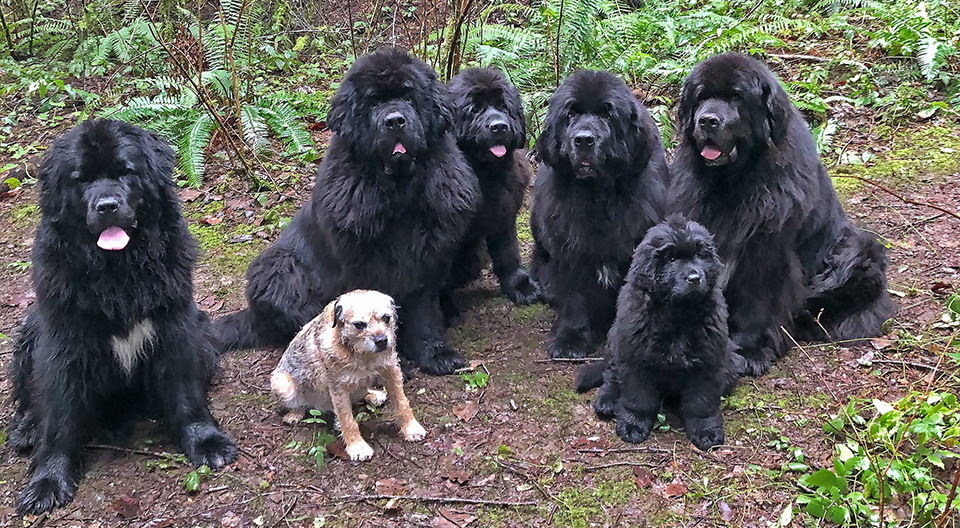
(688, 105)
(778, 108)
(337, 313)
(338, 119)
(554, 127)
(442, 118)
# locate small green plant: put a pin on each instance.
(475, 380)
(20, 266)
(895, 456)
(167, 462)
(193, 479)
(321, 441)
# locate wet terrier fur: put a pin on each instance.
(335, 360)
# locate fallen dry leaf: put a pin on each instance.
(338, 449)
(452, 519)
(466, 410)
(22, 300)
(880, 344)
(726, 513)
(126, 507)
(460, 476)
(866, 359)
(940, 287)
(642, 477)
(674, 489)
(211, 220)
(391, 486)
(189, 195)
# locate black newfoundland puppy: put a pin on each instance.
(393, 199)
(600, 186)
(670, 340)
(490, 130)
(747, 169)
(114, 332)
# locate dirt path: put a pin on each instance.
(525, 436)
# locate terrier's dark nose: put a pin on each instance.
(381, 342)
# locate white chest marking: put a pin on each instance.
(130, 349)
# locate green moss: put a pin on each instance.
(26, 214)
(524, 235)
(468, 339)
(208, 237)
(920, 154)
(258, 398)
(560, 399)
(525, 314)
(581, 507)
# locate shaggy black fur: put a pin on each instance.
(598, 189)
(393, 200)
(490, 130)
(669, 340)
(71, 377)
(747, 169)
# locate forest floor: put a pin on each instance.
(523, 450)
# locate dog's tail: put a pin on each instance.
(234, 332)
(590, 376)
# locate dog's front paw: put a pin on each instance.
(359, 451)
(44, 493)
(706, 438)
(205, 445)
(569, 345)
(414, 432)
(439, 359)
(749, 366)
(605, 404)
(633, 429)
(521, 289)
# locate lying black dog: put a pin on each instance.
(115, 331)
(600, 186)
(670, 339)
(490, 130)
(393, 200)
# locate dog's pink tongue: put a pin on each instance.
(710, 153)
(498, 150)
(399, 148)
(113, 238)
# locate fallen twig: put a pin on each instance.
(907, 363)
(899, 196)
(169, 456)
(287, 512)
(569, 360)
(792, 56)
(420, 498)
(625, 450)
(618, 464)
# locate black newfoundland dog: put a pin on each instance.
(670, 340)
(490, 130)
(747, 169)
(393, 200)
(114, 332)
(600, 186)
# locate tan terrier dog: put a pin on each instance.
(335, 360)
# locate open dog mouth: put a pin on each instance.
(713, 156)
(584, 169)
(399, 150)
(115, 238)
(498, 151)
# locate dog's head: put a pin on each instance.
(390, 107)
(488, 114)
(109, 175)
(677, 260)
(593, 126)
(366, 321)
(731, 106)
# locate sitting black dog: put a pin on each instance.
(670, 338)
(115, 333)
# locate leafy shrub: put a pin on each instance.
(895, 455)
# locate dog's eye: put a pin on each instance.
(385, 318)
(359, 325)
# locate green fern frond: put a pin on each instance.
(254, 129)
(284, 121)
(192, 149)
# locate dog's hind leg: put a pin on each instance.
(23, 426)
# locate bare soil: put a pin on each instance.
(524, 438)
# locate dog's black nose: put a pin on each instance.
(584, 139)
(395, 121)
(498, 127)
(709, 121)
(694, 278)
(381, 342)
(107, 205)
